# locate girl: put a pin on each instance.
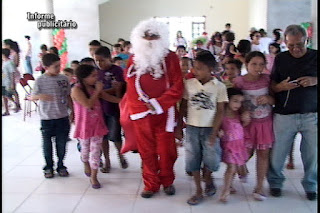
(255, 41)
(89, 124)
(259, 133)
(44, 50)
(232, 69)
(15, 57)
(274, 49)
(234, 152)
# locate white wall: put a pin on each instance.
(118, 17)
(85, 12)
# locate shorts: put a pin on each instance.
(198, 149)
(114, 127)
(7, 93)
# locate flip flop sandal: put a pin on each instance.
(210, 190)
(224, 198)
(5, 114)
(195, 200)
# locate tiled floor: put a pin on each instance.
(24, 189)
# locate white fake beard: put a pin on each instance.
(149, 56)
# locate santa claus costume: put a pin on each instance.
(154, 86)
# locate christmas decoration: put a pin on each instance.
(308, 27)
(60, 42)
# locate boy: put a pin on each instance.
(88, 61)
(117, 61)
(53, 92)
(8, 70)
(181, 51)
(109, 74)
(203, 103)
(93, 46)
(125, 54)
(116, 50)
(75, 64)
(185, 65)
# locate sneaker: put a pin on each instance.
(259, 196)
(275, 192)
(63, 172)
(170, 190)
(147, 194)
(48, 173)
(311, 195)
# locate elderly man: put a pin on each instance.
(294, 82)
(154, 86)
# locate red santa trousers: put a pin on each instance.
(157, 149)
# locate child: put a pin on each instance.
(186, 65)
(116, 50)
(44, 50)
(108, 74)
(259, 133)
(230, 48)
(274, 49)
(88, 61)
(125, 54)
(203, 106)
(54, 50)
(53, 92)
(232, 69)
(181, 51)
(8, 69)
(234, 152)
(89, 123)
(93, 46)
(75, 64)
(70, 74)
(117, 61)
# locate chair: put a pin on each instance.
(28, 90)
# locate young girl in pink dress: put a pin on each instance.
(89, 124)
(259, 133)
(234, 152)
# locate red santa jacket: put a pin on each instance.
(161, 96)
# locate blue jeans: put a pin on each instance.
(57, 129)
(198, 149)
(28, 65)
(285, 128)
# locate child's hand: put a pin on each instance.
(99, 86)
(263, 99)
(245, 117)
(116, 85)
(178, 133)
(220, 133)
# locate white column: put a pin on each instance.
(314, 21)
(46, 34)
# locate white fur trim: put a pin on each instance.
(170, 120)
(141, 115)
(156, 105)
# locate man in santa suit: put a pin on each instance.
(154, 86)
